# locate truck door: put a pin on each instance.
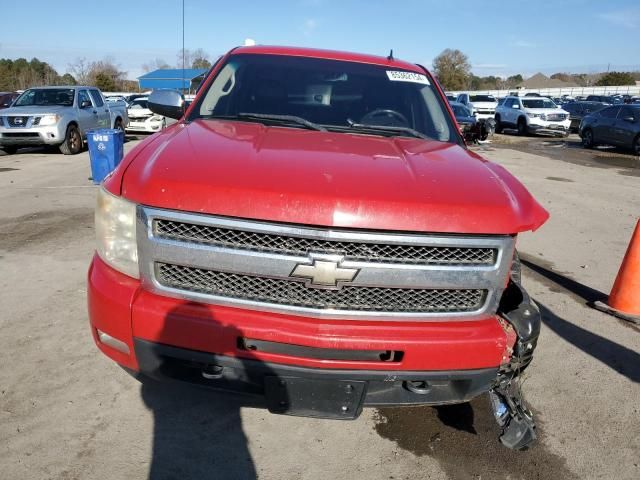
(87, 113)
(104, 116)
(625, 127)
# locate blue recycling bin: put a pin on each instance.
(106, 146)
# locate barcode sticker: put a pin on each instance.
(400, 76)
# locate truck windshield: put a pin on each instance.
(326, 94)
(538, 103)
(46, 97)
(482, 98)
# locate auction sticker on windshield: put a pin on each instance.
(400, 76)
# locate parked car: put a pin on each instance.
(280, 240)
(532, 115)
(610, 100)
(482, 106)
(451, 97)
(532, 94)
(578, 110)
(141, 119)
(58, 116)
(615, 125)
(473, 130)
(117, 98)
(7, 98)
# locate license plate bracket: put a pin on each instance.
(319, 398)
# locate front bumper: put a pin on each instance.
(49, 135)
(170, 338)
(144, 125)
(252, 377)
(542, 126)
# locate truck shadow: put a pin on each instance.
(197, 431)
(463, 439)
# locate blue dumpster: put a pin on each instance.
(105, 151)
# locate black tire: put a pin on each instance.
(9, 149)
(522, 127)
(636, 145)
(72, 144)
(164, 123)
(498, 128)
(118, 125)
(588, 140)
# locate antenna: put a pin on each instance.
(182, 47)
(390, 57)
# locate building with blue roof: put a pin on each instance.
(186, 80)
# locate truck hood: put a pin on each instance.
(248, 170)
(34, 110)
(546, 111)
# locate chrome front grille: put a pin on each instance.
(291, 245)
(17, 121)
(556, 117)
(278, 291)
(272, 267)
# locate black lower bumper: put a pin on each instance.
(326, 393)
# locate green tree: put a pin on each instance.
(452, 69)
(104, 82)
(67, 79)
(616, 78)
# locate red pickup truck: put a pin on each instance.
(314, 231)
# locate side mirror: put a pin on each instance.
(85, 104)
(167, 103)
(629, 119)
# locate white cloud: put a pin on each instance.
(628, 18)
(524, 44)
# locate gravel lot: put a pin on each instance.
(67, 412)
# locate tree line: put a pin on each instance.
(106, 74)
(453, 70)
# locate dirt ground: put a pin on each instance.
(67, 412)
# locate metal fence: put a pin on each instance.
(558, 92)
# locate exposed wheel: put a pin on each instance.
(498, 124)
(636, 145)
(9, 149)
(587, 138)
(72, 141)
(522, 127)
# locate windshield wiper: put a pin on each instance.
(276, 118)
(388, 128)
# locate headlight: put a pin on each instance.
(49, 120)
(116, 233)
(156, 118)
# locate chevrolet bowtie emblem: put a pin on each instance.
(324, 273)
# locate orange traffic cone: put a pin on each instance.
(624, 300)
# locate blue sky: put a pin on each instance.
(500, 37)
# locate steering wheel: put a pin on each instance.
(380, 113)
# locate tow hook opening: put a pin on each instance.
(419, 387)
(212, 372)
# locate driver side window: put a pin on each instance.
(82, 97)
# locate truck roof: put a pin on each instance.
(48, 87)
(329, 55)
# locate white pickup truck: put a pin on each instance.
(58, 116)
